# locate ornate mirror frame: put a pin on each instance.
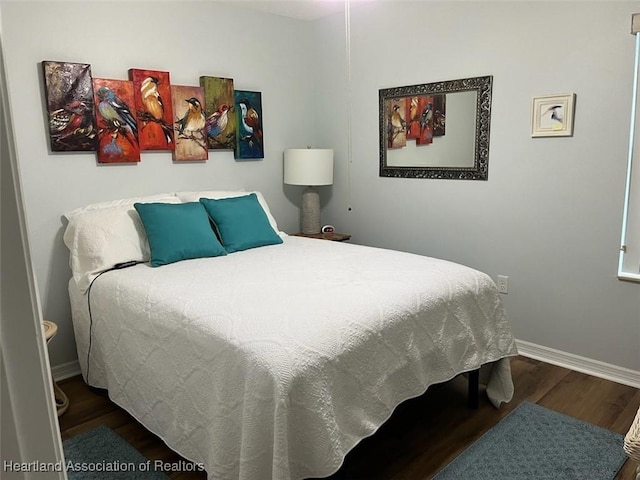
(480, 168)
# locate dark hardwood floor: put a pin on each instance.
(423, 435)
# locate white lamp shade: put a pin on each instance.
(308, 166)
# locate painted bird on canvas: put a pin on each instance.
(74, 119)
(217, 122)
(414, 117)
(426, 117)
(251, 126)
(117, 115)
(153, 104)
(193, 120)
(397, 124)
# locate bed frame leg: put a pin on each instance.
(474, 388)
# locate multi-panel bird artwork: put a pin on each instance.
(120, 119)
(69, 96)
(116, 121)
(419, 118)
(189, 123)
(249, 141)
(152, 93)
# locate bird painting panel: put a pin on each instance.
(425, 109)
(189, 123)
(221, 121)
(154, 110)
(250, 140)
(439, 115)
(396, 122)
(413, 119)
(116, 121)
(70, 106)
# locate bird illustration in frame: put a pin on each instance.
(154, 109)
(116, 120)
(556, 115)
(189, 123)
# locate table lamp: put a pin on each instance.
(311, 167)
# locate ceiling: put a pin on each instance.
(300, 9)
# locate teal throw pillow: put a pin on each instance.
(241, 222)
(178, 231)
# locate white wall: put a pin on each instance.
(27, 407)
(260, 52)
(550, 214)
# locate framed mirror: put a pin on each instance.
(436, 130)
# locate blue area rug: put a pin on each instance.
(102, 454)
(534, 443)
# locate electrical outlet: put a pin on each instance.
(503, 284)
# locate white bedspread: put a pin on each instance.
(274, 362)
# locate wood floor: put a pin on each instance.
(422, 436)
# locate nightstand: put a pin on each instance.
(333, 236)
(62, 402)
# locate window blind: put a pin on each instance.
(629, 262)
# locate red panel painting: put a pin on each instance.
(116, 121)
(69, 95)
(413, 119)
(425, 106)
(152, 93)
(189, 123)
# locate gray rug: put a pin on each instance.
(102, 454)
(534, 443)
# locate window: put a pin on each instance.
(629, 263)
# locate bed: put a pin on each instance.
(273, 361)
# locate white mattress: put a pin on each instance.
(274, 362)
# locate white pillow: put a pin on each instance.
(102, 234)
(216, 194)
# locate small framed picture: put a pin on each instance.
(552, 116)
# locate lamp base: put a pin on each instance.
(310, 213)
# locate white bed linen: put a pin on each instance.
(274, 362)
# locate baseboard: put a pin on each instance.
(622, 375)
(66, 370)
